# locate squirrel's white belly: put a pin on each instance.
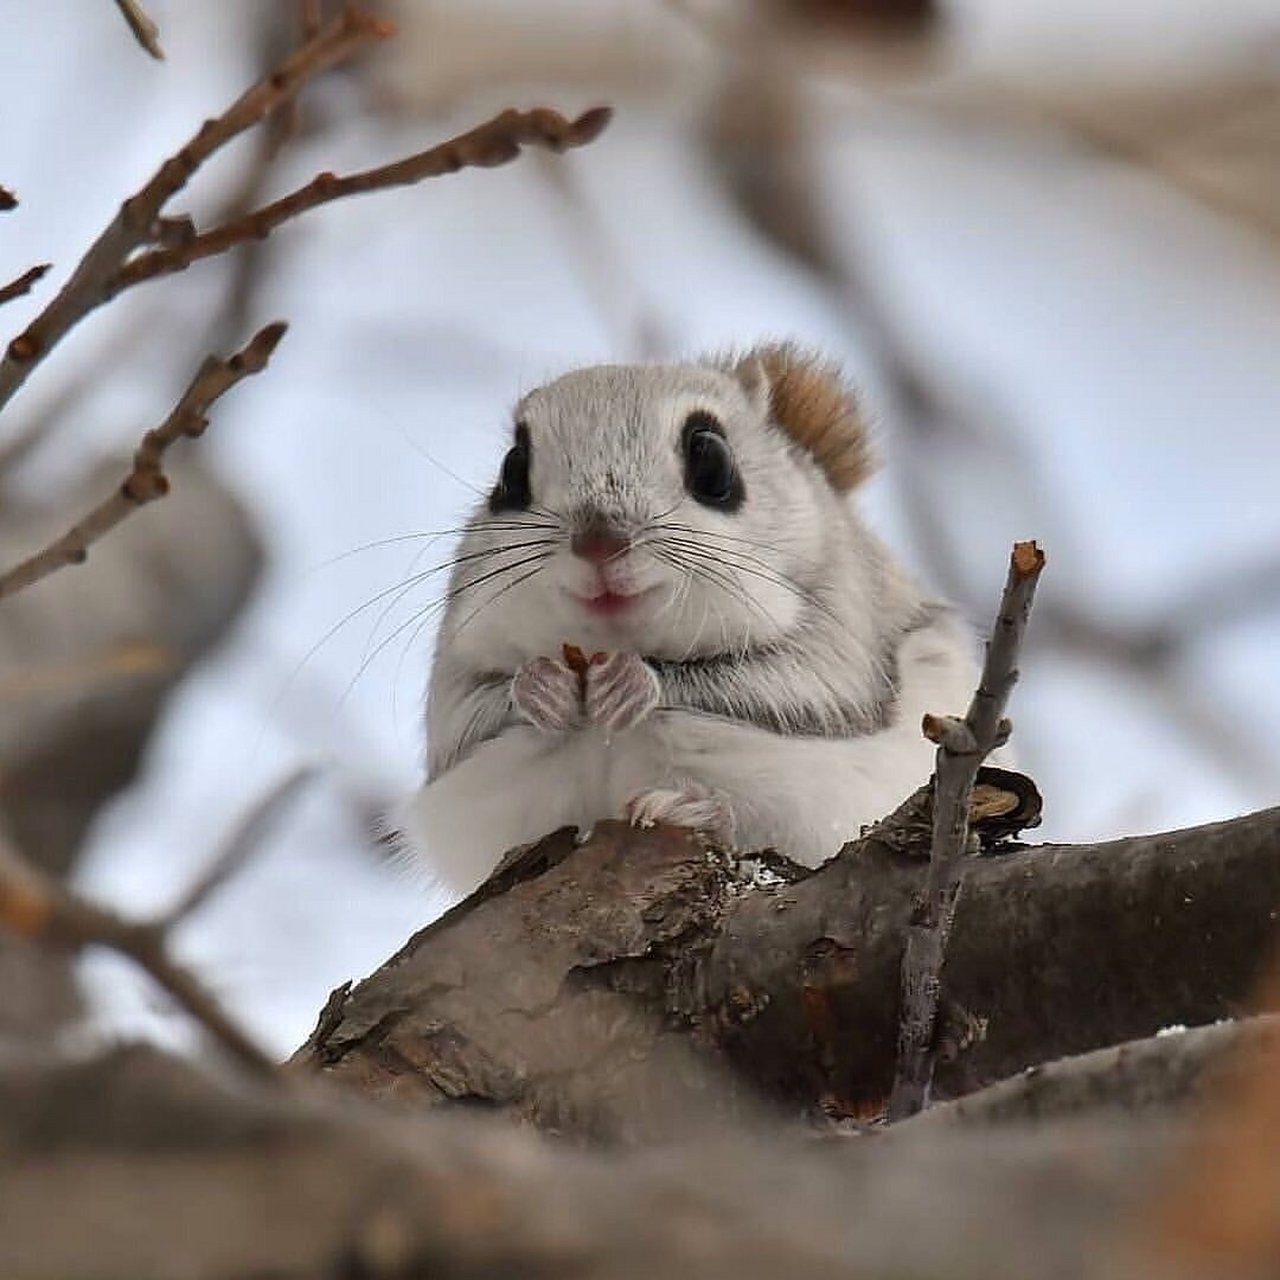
(803, 796)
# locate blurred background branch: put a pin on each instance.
(146, 480)
(1043, 241)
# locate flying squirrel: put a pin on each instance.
(759, 662)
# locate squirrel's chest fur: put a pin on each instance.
(802, 794)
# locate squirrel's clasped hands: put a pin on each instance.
(614, 691)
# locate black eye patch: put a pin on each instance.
(710, 471)
(512, 492)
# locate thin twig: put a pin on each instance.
(35, 905)
(147, 480)
(272, 37)
(239, 845)
(138, 222)
(16, 288)
(144, 29)
(309, 20)
(962, 747)
(496, 142)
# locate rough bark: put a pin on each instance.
(623, 986)
(1165, 1072)
(137, 1165)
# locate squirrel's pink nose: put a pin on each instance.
(598, 543)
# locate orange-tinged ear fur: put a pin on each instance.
(811, 401)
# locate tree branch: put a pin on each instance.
(962, 747)
(138, 1164)
(147, 480)
(23, 284)
(34, 905)
(144, 29)
(1217, 1214)
(1176, 1066)
(240, 845)
(574, 994)
(139, 223)
(496, 142)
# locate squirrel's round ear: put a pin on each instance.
(809, 399)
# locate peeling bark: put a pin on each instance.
(627, 986)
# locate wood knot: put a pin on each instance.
(23, 348)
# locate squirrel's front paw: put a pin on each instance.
(684, 804)
(621, 690)
(547, 694)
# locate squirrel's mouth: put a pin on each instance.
(609, 603)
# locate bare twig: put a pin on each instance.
(239, 845)
(145, 31)
(276, 25)
(139, 222)
(16, 288)
(496, 142)
(35, 905)
(147, 480)
(962, 747)
(272, 37)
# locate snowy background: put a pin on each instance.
(1086, 270)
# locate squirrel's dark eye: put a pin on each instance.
(512, 492)
(710, 473)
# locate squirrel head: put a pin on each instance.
(676, 510)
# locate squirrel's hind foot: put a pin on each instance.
(687, 803)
